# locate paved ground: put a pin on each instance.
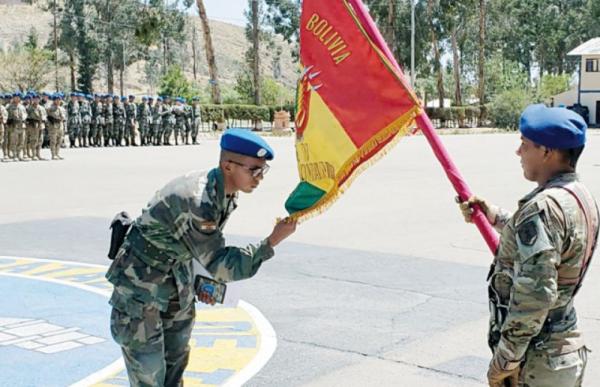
(386, 288)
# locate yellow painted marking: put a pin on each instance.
(18, 262)
(74, 272)
(43, 268)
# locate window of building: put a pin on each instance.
(591, 66)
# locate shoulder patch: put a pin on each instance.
(532, 237)
(528, 233)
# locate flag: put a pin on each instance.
(353, 103)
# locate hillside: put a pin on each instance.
(17, 19)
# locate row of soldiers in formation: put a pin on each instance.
(29, 120)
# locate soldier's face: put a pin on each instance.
(532, 157)
(246, 172)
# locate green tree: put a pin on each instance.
(174, 83)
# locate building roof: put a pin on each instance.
(591, 47)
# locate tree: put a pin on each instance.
(210, 54)
(174, 83)
(481, 58)
(284, 17)
(253, 33)
(433, 13)
(24, 68)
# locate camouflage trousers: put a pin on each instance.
(155, 345)
(543, 370)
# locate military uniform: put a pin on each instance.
(119, 120)
(168, 122)
(73, 119)
(544, 253)
(153, 299)
(57, 116)
(85, 112)
(3, 139)
(180, 117)
(109, 133)
(17, 114)
(97, 126)
(36, 116)
(157, 121)
(196, 121)
(130, 120)
(144, 114)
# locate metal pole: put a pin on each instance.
(412, 43)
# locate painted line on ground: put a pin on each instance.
(265, 345)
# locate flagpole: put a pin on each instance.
(424, 123)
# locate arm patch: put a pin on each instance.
(532, 237)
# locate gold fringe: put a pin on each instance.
(405, 122)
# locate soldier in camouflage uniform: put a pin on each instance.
(144, 120)
(74, 119)
(153, 298)
(36, 116)
(109, 133)
(544, 253)
(130, 120)
(85, 110)
(94, 125)
(168, 121)
(196, 119)
(17, 114)
(157, 121)
(57, 116)
(3, 120)
(179, 113)
(119, 119)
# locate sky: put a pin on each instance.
(230, 11)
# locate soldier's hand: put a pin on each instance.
(502, 373)
(466, 208)
(283, 229)
(206, 298)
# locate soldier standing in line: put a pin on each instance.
(544, 253)
(153, 298)
(144, 120)
(3, 120)
(109, 132)
(74, 119)
(85, 111)
(94, 122)
(130, 120)
(188, 121)
(168, 121)
(36, 115)
(196, 119)
(118, 120)
(57, 116)
(16, 126)
(179, 113)
(157, 120)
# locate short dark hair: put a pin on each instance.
(571, 155)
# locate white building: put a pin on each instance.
(588, 90)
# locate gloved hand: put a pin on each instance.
(503, 373)
(466, 208)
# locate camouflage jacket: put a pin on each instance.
(3, 115)
(130, 113)
(108, 113)
(56, 117)
(184, 221)
(17, 114)
(543, 243)
(85, 111)
(73, 112)
(36, 114)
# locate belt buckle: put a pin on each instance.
(539, 345)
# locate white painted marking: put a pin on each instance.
(20, 340)
(65, 337)
(36, 329)
(66, 330)
(29, 345)
(91, 340)
(59, 347)
(11, 321)
(23, 323)
(268, 343)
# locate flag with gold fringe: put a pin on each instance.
(353, 104)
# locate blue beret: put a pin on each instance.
(144, 98)
(159, 99)
(123, 98)
(556, 128)
(196, 98)
(245, 142)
